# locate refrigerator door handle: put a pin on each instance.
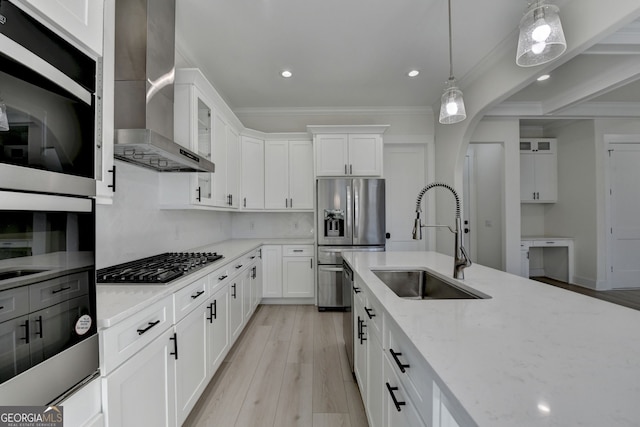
(356, 211)
(349, 214)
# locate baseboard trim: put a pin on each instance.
(585, 282)
(288, 301)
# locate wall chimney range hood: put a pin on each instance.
(144, 76)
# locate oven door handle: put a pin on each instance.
(336, 269)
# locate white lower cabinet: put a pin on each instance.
(375, 390)
(297, 280)
(235, 308)
(141, 392)
(272, 271)
(217, 329)
(398, 409)
(190, 350)
(288, 271)
(155, 365)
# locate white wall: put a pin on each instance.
(507, 133)
(273, 225)
(489, 205)
(575, 212)
(133, 227)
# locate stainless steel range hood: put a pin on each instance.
(144, 75)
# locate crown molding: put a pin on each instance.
(328, 111)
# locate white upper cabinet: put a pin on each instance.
(203, 123)
(288, 176)
(225, 156)
(348, 150)
(252, 180)
(82, 19)
(538, 171)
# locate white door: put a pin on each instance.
(405, 175)
(276, 174)
(624, 203)
(546, 180)
(527, 177)
(300, 175)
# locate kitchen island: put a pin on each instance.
(531, 355)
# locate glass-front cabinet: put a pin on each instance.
(204, 188)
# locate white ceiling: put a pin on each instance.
(356, 53)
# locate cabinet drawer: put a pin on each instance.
(218, 279)
(416, 378)
(251, 257)
(50, 292)
(549, 242)
(125, 339)
(373, 311)
(297, 250)
(399, 408)
(188, 298)
(14, 303)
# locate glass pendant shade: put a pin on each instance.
(452, 105)
(541, 37)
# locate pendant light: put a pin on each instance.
(541, 37)
(4, 118)
(451, 104)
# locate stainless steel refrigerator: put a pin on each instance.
(350, 217)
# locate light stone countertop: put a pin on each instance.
(116, 302)
(545, 238)
(532, 355)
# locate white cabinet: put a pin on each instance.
(288, 271)
(82, 19)
(252, 173)
(272, 271)
(247, 297)
(524, 260)
(288, 179)
(348, 155)
(256, 284)
(225, 155)
(236, 316)
(141, 392)
(398, 409)
(297, 272)
(538, 171)
(218, 329)
(190, 342)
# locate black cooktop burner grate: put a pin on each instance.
(158, 269)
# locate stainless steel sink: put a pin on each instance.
(420, 284)
(11, 274)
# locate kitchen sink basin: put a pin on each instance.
(422, 285)
(12, 274)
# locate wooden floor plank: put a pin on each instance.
(283, 323)
(260, 403)
(328, 389)
(356, 407)
(301, 346)
(331, 420)
(294, 403)
(230, 388)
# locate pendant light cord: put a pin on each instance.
(450, 46)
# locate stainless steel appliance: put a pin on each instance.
(144, 75)
(347, 319)
(350, 217)
(157, 269)
(49, 96)
(48, 336)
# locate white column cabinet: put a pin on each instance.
(538, 171)
(141, 392)
(252, 180)
(191, 360)
(236, 317)
(217, 329)
(272, 271)
(348, 154)
(288, 176)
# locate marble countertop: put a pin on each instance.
(531, 355)
(116, 302)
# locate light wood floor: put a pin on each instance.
(626, 297)
(288, 368)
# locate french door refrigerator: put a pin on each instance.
(350, 217)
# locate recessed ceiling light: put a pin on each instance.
(543, 77)
(286, 74)
(413, 73)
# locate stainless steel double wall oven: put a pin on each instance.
(49, 130)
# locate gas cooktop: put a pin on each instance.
(157, 269)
